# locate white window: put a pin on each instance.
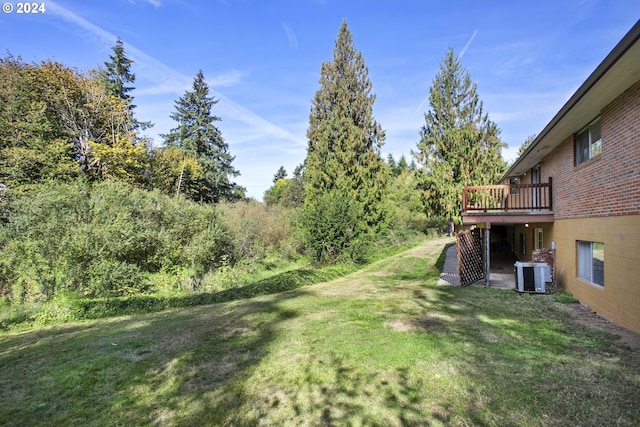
(538, 238)
(591, 262)
(588, 142)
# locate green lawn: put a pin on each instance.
(383, 346)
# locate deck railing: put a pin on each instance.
(508, 197)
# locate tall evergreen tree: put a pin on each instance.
(459, 145)
(343, 153)
(197, 136)
(117, 74)
(118, 80)
(280, 174)
(393, 166)
(402, 164)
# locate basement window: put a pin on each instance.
(591, 262)
(588, 142)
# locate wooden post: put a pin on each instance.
(550, 193)
(464, 199)
(487, 271)
(505, 197)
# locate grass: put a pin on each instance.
(382, 346)
(229, 283)
(564, 298)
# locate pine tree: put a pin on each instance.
(287, 192)
(393, 166)
(118, 79)
(294, 194)
(280, 174)
(527, 142)
(459, 145)
(117, 74)
(343, 152)
(198, 137)
(402, 165)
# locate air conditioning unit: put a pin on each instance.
(532, 276)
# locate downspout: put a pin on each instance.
(553, 273)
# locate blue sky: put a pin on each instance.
(262, 60)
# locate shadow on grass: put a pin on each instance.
(456, 356)
(83, 309)
(488, 357)
(172, 368)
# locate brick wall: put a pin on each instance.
(608, 185)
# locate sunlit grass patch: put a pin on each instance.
(381, 346)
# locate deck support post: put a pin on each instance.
(487, 264)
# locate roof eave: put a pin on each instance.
(533, 155)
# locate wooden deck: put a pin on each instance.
(518, 198)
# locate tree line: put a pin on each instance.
(348, 192)
(76, 169)
(61, 124)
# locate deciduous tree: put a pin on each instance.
(175, 172)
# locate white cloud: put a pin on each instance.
(154, 3)
(510, 153)
(226, 79)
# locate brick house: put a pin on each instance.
(578, 186)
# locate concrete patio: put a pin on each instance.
(450, 276)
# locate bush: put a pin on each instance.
(332, 228)
(103, 240)
(108, 277)
(435, 226)
(258, 231)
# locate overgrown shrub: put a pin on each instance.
(103, 240)
(332, 228)
(436, 226)
(258, 231)
(408, 219)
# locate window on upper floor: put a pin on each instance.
(588, 142)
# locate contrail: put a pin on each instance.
(291, 35)
(464, 49)
(423, 102)
(170, 80)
